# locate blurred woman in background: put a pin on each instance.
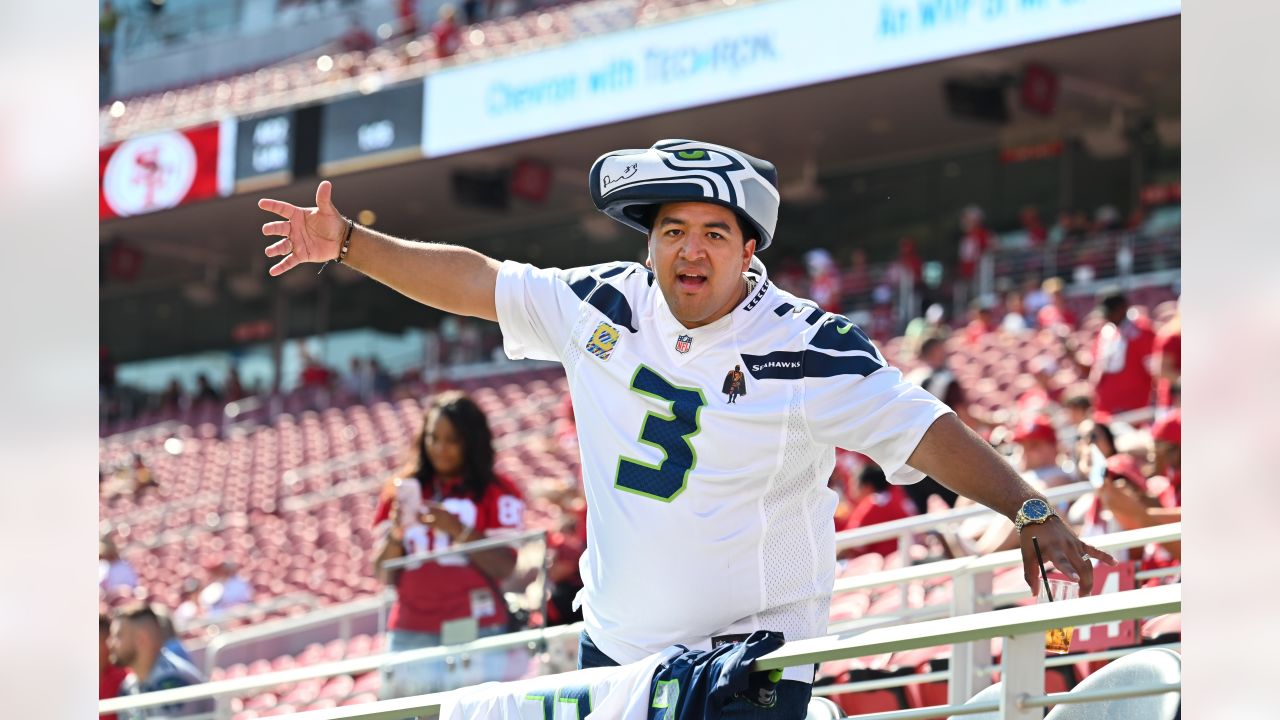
(456, 597)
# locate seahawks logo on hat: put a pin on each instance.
(626, 184)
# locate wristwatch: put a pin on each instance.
(1033, 512)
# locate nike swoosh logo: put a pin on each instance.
(844, 329)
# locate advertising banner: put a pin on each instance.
(735, 54)
(365, 131)
(264, 151)
(160, 171)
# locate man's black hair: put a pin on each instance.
(874, 477)
(1080, 401)
(138, 612)
(929, 344)
(650, 213)
(1113, 302)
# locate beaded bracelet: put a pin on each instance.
(346, 242)
(342, 251)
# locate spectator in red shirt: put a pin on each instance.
(407, 14)
(1040, 454)
(909, 261)
(1168, 352)
(877, 502)
(1035, 229)
(356, 38)
(446, 33)
(1167, 482)
(1055, 314)
(109, 675)
(1118, 369)
(824, 280)
(452, 460)
(975, 239)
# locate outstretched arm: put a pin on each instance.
(955, 456)
(454, 279)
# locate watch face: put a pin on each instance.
(1036, 509)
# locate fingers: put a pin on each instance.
(324, 196)
(283, 209)
(276, 227)
(1064, 563)
(279, 248)
(1097, 554)
(288, 263)
(1030, 568)
(1084, 569)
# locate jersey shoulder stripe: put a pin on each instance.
(839, 333)
(799, 364)
(591, 286)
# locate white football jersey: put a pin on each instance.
(706, 452)
(616, 693)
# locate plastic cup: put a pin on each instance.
(1058, 640)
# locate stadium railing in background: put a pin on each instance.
(965, 674)
(971, 579)
(1022, 665)
(365, 615)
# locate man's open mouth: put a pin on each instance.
(690, 282)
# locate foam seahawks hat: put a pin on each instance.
(625, 183)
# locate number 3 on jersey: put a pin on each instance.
(668, 433)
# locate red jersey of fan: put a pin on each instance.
(873, 509)
(972, 245)
(1169, 348)
(109, 685)
(452, 587)
(1121, 378)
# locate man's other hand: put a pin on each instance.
(1060, 546)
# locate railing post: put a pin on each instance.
(1021, 675)
(970, 593)
(904, 559)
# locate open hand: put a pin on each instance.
(310, 234)
(1068, 553)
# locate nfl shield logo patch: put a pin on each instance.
(683, 343)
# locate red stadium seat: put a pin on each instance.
(359, 699)
(868, 702)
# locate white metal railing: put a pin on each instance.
(971, 592)
(1022, 666)
(1023, 662)
(962, 570)
(532, 639)
(164, 428)
(238, 612)
(464, 548)
(342, 616)
(903, 529)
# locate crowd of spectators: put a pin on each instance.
(1124, 410)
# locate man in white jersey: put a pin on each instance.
(706, 519)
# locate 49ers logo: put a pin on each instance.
(149, 173)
